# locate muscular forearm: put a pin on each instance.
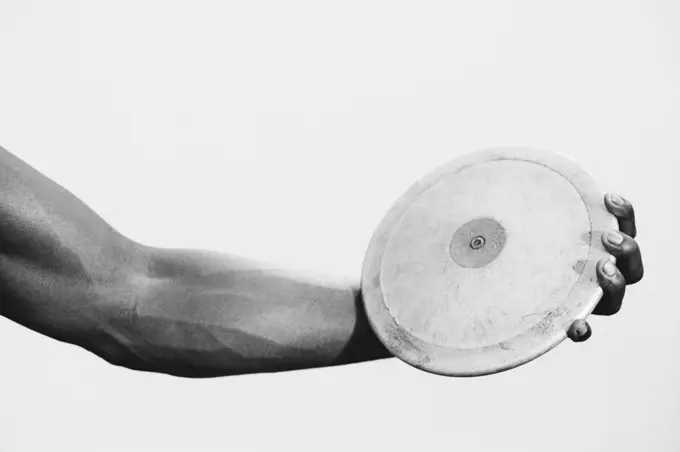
(66, 273)
(208, 314)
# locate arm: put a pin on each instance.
(208, 314)
(65, 273)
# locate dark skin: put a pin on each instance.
(629, 269)
(67, 274)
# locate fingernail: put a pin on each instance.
(616, 200)
(614, 238)
(609, 268)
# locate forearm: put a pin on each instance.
(206, 314)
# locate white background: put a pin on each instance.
(283, 131)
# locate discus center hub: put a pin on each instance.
(477, 242)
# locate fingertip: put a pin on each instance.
(617, 205)
(614, 203)
(623, 210)
(607, 267)
(613, 287)
(613, 240)
(579, 331)
(609, 275)
(615, 200)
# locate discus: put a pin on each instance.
(485, 263)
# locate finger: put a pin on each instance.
(627, 253)
(613, 285)
(623, 210)
(579, 331)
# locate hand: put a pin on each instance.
(614, 278)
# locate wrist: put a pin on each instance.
(363, 345)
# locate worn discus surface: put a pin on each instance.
(484, 264)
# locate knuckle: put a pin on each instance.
(637, 276)
(614, 284)
(630, 210)
(614, 309)
(607, 309)
(627, 209)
